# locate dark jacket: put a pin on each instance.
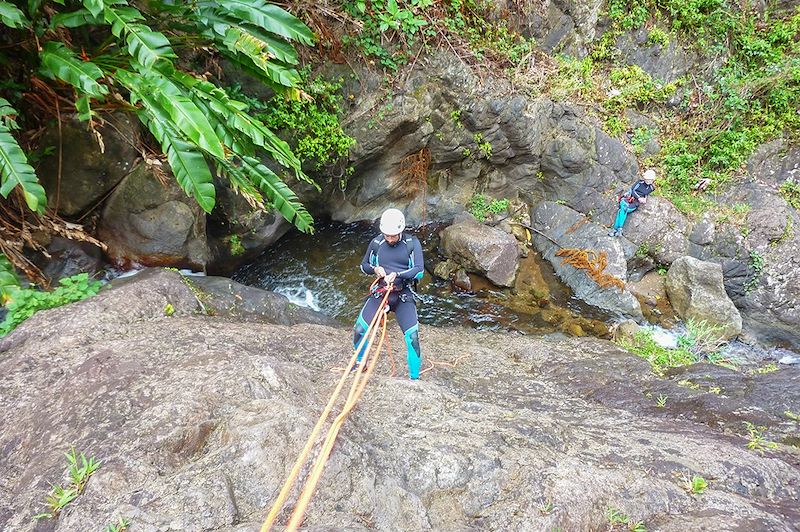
(403, 258)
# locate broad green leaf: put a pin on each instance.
(95, 7)
(270, 18)
(241, 184)
(187, 162)
(258, 52)
(192, 122)
(12, 16)
(15, 171)
(59, 62)
(84, 109)
(279, 194)
(8, 114)
(190, 169)
(9, 282)
(75, 19)
(220, 23)
(144, 44)
(235, 116)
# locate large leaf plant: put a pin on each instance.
(112, 51)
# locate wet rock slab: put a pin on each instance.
(198, 419)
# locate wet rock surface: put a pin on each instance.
(560, 227)
(149, 223)
(80, 173)
(696, 292)
(198, 419)
(481, 249)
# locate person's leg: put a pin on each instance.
(622, 214)
(406, 314)
(362, 323)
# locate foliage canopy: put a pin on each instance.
(112, 54)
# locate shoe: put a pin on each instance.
(613, 232)
(620, 233)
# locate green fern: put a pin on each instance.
(145, 45)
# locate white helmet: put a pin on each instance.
(649, 176)
(392, 222)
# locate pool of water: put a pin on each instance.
(320, 271)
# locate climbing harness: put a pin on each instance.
(356, 390)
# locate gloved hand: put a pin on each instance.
(390, 277)
(643, 200)
(379, 271)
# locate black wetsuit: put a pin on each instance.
(405, 259)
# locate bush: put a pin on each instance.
(28, 301)
(481, 206)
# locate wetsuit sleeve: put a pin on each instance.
(366, 267)
(415, 271)
(641, 189)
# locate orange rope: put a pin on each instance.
(356, 390)
(434, 363)
(301, 459)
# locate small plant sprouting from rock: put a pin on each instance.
(703, 339)
(455, 115)
(121, 525)
(620, 521)
(763, 370)
(757, 263)
(790, 190)
(547, 507)
(661, 401)
(695, 485)
(169, 310)
(79, 469)
(482, 207)
(236, 247)
(791, 415)
(757, 441)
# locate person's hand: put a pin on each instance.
(643, 200)
(390, 278)
(379, 271)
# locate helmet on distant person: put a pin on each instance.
(392, 222)
(649, 176)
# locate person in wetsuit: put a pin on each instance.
(395, 258)
(630, 201)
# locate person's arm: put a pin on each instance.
(366, 266)
(419, 266)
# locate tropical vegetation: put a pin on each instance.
(147, 58)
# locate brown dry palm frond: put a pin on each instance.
(21, 228)
(593, 263)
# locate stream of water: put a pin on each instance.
(320, 271)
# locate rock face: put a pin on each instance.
(539, 149)
(696, 292)
(481, 249)
(197, 421)
(147, 223)
(222, 296)
(238, 233)
(570, 229)
(87, 172)
(658, 228)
